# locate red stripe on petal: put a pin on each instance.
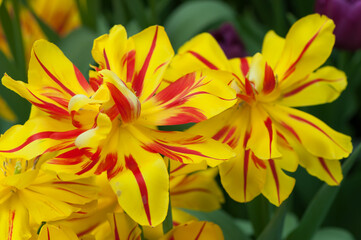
(245, 172)
(292, 68)
(94, 159)
(203, 60)
(82, 81)
(268, 124)
(43, 135)
(316, 127)
(220, 133)
(244, 66)
(116, 233)
(130, 59)
(275, 176)
(132, 165)
(300, 88)
(53, 77)
(11, 224)
(269, 82)
(106, 59)
(200, 231)
(127, 109)
(138, 81)
(291, 130)
(324, 165)
(187, 115)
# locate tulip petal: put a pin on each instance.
(278, 185)
(195, 230)
(323, 86)
(197, 191)
(142, 183)
(192, 98)
(269, 50)
(27, 141)
(243, 177)
(49, 67)
(308, 44)
(56, 232)
(14, 220)
(200, 52)
(153, 54)
(263, 137)
(6, 111)
(185, 147)
(318, 138)
(123, 227)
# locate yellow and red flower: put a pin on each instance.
(267, 134)
(30, 193)
(112, 126)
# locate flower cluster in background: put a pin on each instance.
(151, 132)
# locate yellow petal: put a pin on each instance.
(195, 230)
(153, 53)
(197, 191)
(318, 138)
(49, 67)
(142, 184)
(200, 52)
(308, 44)
(36, 136)
(272, 48)
(278, 185)
(14, 220)
(263, 137)
(192, 98)
(243, 177)
(56, 232)
(185, 147)
(323, 86)
(123, 227)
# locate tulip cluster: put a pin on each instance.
(93, 160)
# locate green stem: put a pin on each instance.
(259, 214)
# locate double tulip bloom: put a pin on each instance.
(243, 109)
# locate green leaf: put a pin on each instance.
(227, 223)
(274, 229)
(77, 47)
(321, 203)
(333, 234)
(191, 18)
(259, 213)
(88, 11)
(138, 10)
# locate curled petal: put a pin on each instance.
(308, 44)
(323, 86)
(200, 52)
(317, 138)
(192, 98)
(185, 147)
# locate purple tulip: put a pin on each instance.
(228, 39)
(347, 17)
